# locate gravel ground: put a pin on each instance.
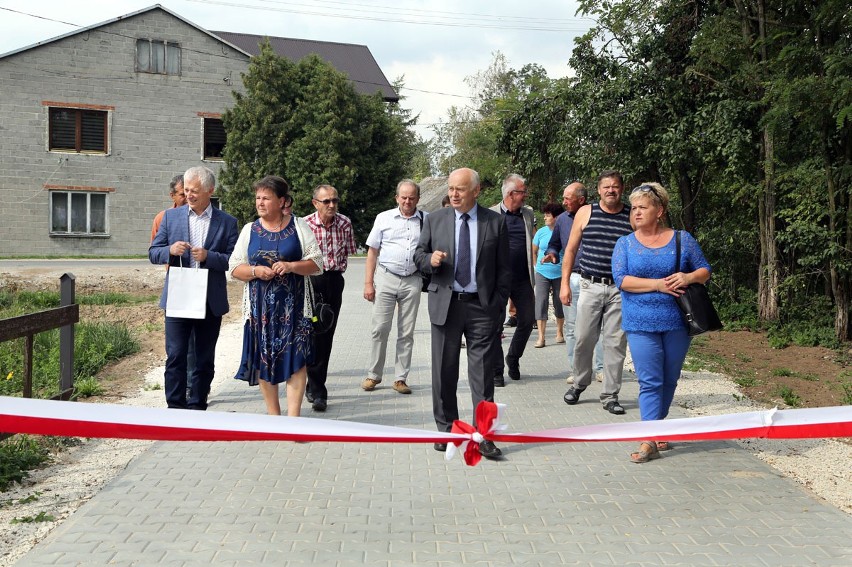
(820, 465)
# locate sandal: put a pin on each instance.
(647, 452)
(663, 445)
(572, 396)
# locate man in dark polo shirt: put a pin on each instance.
(520, 226)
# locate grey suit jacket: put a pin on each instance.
(493, 279)
(221, 238)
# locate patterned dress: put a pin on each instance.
(277, 336)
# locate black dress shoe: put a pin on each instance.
(512, 321)
(499, 382)
(319, 404)
(489, 450)
(514, 372)
(442, 447)
(310, 397)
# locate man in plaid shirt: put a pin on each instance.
(334, 235)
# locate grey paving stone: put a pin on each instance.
(383, 504)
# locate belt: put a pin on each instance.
(596, 279)
(395, 274)
(462, 296)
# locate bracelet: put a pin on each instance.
(252, 272)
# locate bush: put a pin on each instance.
(95, 345)
(18, 455)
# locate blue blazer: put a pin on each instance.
(221, 238)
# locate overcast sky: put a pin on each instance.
(435, 44)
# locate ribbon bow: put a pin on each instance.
(487, 418)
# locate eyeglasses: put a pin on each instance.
(646, 189)
(335, 200)
(518, 192)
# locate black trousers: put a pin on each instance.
(523, 296)
(329, 287)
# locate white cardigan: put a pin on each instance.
(310, 251)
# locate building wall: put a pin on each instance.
(155, 131)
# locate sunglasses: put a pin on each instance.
(335, 200)
(646, 189)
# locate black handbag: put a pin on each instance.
(696, 309)
(323, 317)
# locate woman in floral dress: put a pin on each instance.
(273, 255)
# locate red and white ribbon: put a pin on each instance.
(43, 417)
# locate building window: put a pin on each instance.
(78, 213)
(161, 57)
(78, 130)
(214, 138)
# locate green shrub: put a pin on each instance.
(19, 454)
(87, 387)
(790, 397)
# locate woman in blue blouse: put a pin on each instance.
(548, 277)
(643, 266)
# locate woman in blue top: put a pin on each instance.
(643, 266)
(548, 277)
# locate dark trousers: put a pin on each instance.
(329, 287)
(523, 296)
(478, 326)
(178, 332)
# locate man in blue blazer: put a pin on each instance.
(465, 248)
(196, 234)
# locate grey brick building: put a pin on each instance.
(94, 124)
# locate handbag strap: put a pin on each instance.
(677, 251)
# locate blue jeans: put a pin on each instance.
(658, 359)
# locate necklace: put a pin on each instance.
(652, 243)
(280, 225)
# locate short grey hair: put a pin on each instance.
(512, 182)
(407, 182)
(325, 186)
(203, 175)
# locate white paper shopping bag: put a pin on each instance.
(187, 293)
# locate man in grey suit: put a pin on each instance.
(195, 235)
(464, 248)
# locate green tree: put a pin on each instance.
(305, 122)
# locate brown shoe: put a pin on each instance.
(369, 384)
(401, 387)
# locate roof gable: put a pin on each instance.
(118, 19)
(355, 61)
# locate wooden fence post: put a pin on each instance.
(66, 339)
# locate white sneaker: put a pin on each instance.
(599, 376)
(570, 379)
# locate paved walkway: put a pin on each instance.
(240, 503)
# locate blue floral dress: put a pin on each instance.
(277, 336)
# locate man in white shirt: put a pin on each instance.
(391, 282)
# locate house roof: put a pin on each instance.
(355, 61)
(118, 19)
